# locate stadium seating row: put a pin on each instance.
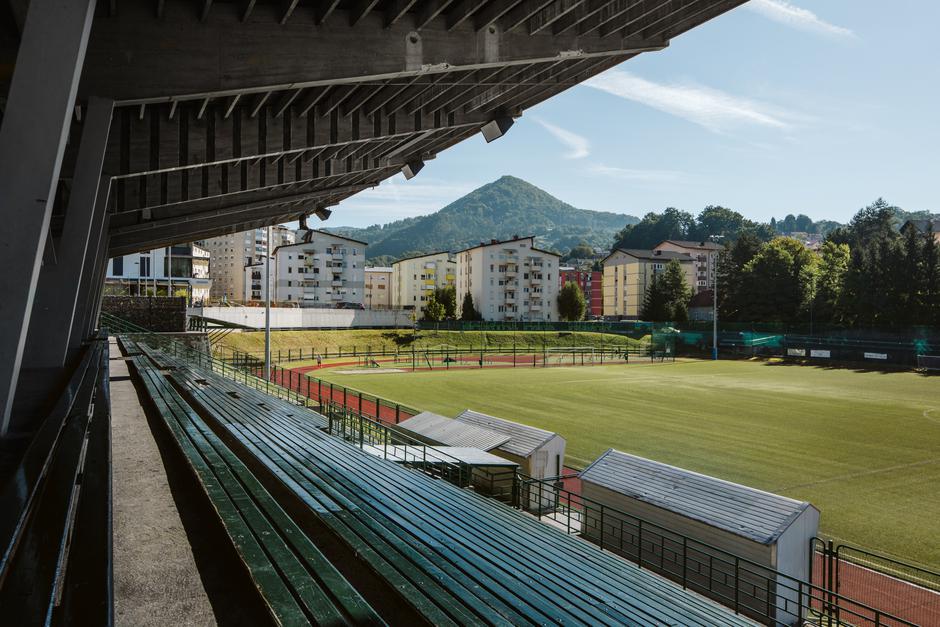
(455, 557)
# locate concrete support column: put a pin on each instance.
(96, 260)
(57, 294)
(32, 140)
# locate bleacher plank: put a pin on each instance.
(298, 583)
(484, 555)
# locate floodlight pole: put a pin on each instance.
(715, 303)
(267, 308)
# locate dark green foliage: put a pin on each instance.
(667, 297)
(468, 311)
(447, 296)
(508, 206)
(583, 250)
(434, 310)
(571, 302)
(713, 221)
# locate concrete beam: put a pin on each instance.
(32, 138)
(57, 292)
(130, 61)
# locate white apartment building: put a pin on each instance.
(178, 270)
(230, 254)
(253, 280)
(414, 279)
(704, 260)
(324, 270)
(510, 280)
(378, 289)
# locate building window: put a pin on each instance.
(117, 266)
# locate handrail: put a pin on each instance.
(687, 561)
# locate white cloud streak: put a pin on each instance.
(711, 108)
(797, 17)
(578, 146)
(635, 175)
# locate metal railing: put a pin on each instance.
(748, 587)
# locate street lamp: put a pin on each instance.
(715, 238)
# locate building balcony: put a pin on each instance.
(337, 283)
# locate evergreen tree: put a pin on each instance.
(731, 262)
(467, 311)
(930, 295)
(571, 302)
(655, 303)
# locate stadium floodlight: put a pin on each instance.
(411, 169)
(496, 128)
(322, 212)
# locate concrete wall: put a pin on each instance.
(307, 318)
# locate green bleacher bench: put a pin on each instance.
(455, 556)
(297, 583)
(55, 510)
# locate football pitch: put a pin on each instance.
(864, 447)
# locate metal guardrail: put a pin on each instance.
(747, 587)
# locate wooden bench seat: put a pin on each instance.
(464, 557)
(296, 581)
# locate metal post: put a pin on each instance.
(32, 141)
(267, 308)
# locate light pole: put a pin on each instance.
(714, 238)
(267, 308)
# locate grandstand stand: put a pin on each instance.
(452, 556)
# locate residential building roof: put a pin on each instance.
(440, 252)
(921, 225)
(651, 255)
(523, 439)
(708, 245)
(744, 511)
(452, 432)
(494, 242)
(378, 269)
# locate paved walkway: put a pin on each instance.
(156, 581)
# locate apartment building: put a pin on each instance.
(230, 254)
(414, 279)
(378, 289)
(704, 259)
(591, 284)
(629, 272)
(510, 280)
(178, 270)
(323, 270)
(254, 286)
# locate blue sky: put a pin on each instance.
(796, 106)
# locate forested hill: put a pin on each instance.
(506, 207)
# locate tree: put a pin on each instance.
(655, 303)
(468, 311)
(571, 302)
(931, 290)
(581, 251)
(833, 264)
(667, 297)
(778, 283)
(447, 296)
(433, 309)
(654, 228)
(731, 262)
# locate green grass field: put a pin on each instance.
(864, 447)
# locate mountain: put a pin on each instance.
(506, 207)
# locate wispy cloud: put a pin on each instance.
(637, 176)
(397, 198)
(578, 146)
(797, 17)
(713, 109)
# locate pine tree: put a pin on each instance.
(467, 311)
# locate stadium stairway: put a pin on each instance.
(331, 534)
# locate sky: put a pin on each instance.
(779, 106)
